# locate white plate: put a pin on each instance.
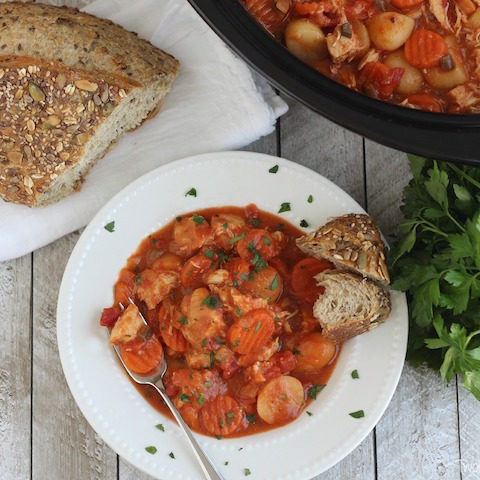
(298, 451)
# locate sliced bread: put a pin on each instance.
(70, 85)
(350, 305)
(351, 242)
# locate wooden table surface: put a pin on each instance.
(429, 431)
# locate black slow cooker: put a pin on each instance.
(435, 135)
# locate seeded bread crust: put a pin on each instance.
(351, 242)
(350, 305)
(70, 84)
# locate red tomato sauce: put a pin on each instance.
(244, 352)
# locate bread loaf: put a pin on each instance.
(351, 242)
(70, 85)
(350, 305)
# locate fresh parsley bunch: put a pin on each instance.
(436, 260)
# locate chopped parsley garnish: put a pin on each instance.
(200, 399)
(230, 417)
(151, 449)
(211, 301)
(204, 342)
(310, 199)
(259, 263)
(315, 390)
(220, 341)
(357, 414)
(284, 207)
(238, 311)
(183, 320)
(184, 398)
(257, 326)
(251, 418)
(221, 423)
(247, 472)
(154, 240)
(218, 437)
(283, 396)
(355, 374)
(267, 241)
(237, 238)
(138, 279)
(192, 192)
(198, 219)
(274, 284)
(240, 449)
(236, 343)
(209, 253)
(110, 227)
(224, 258)
(296, 351)
(308, 413)
(276, 319)
(244, 277)
(226, 463)
(171, 455)
(254, 222)
(160, 427)
(274, 169)
(304, 224)
(207, 384)
(225, 225)
(178, 219)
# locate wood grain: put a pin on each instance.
(64, 444)
(15, 368)
(469, 434)
(317, 143)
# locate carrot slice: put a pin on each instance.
(302, 282)
(251, 332)
(425, 48)
(142, 355)
(406, 4)
(221, 416)
(125, 287)
(425, 101)
(267, 14)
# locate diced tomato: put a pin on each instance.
(384, 80)
(303, 283)
(142, 355)
(110, 316)
(286, 361)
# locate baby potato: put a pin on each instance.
(438, 78)
(266, 284)
(412, 78)
(168, 261)
(390, 30)
(306, 40)
(360, 30)
(280, 400)
(314, 352)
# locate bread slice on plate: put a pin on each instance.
(351, 242)
(70, 85)
(350, 305)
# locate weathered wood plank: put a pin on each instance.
(469, 428)
(417, 436)
(313, 141)
(15, 368)
(64, 445)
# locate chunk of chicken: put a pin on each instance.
(198, 360)
(218, 277)
(226, 226)
(127, 326)
(264, 354)
(345, 48)
(154, 286)
(439, 11)
(189, 235)
(465, 96)
(204, 319)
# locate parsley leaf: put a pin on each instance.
(304, 224)
(211, 301)
(284, 207)
(355, 374)
(274, 169)
(160, 427)
(151, 449)
(315, 390)
(192, 192)
(310, 199)
(357, 414)
(110, 227)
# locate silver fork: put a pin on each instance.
(155, 380)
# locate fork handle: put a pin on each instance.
(208, 469)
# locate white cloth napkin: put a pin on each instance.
(215, 104)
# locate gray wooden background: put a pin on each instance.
(429, 431)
